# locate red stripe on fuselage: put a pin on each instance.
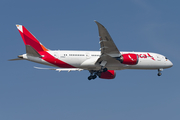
(51, 59)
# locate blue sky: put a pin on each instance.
(135, 25)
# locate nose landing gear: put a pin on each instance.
(159, 72)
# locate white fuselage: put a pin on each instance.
(87, 59)
(101, 63)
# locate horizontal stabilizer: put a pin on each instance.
(31, 51)
(62, 69)
(16, 59)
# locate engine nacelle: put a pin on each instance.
(110, 74)
(129, 59)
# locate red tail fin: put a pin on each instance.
(30, 40)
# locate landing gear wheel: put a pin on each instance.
(92, 77)
(159, 74)
(95, 73)
(89, 78)
(105, 69)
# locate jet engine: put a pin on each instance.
(129, 59)
(109, 74)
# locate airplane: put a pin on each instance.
(101, 63)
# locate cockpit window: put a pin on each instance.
(166, 58)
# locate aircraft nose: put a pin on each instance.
(170, 64)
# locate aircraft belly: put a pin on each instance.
(90, 63)
(75, 61)
(39, 60)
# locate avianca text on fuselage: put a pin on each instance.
(101, 63)
(145, 56)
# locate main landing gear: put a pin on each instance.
(95, 73)
(159, 72)
(92, 77)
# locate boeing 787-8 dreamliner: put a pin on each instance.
(101, 63)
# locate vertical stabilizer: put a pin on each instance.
(30, 40)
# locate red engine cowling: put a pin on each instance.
(130, 59)
(110, 74)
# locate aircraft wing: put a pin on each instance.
(109, 51)
(106, 42)
(108, 60)
(60, 69)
